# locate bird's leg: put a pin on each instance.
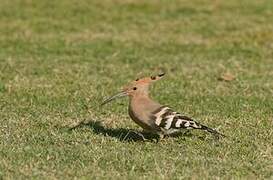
(160, 137)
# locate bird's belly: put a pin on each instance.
(171, 131)
(142, 123)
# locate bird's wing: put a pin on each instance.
(167, 119)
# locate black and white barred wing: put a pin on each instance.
(166, 118)
(170, 121)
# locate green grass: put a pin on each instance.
(59, 59)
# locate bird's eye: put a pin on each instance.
(153, 77)
(137, 79)
(135, 88)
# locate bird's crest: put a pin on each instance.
(148, 80)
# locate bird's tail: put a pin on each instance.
(195, 125)
(210, 130)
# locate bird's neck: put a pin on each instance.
(142, 106)
(139, 96)
(142, 101)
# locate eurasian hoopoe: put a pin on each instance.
(152, 116)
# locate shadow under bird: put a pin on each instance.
(152, 116)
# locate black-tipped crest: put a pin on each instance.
(153, 77)
(161, 74)
(158, 76)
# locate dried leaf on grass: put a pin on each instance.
(226, 77)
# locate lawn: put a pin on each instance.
(59, 59)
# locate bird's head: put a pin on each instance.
(139, 86)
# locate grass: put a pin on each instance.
(59, 59)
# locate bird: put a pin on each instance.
(153, 117)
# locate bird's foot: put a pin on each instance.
(160, 137)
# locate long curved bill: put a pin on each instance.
(120, 94)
